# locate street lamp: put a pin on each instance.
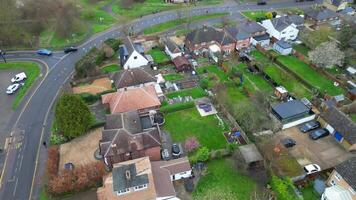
(2, 54)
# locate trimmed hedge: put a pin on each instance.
(177, 107)
(91, 98)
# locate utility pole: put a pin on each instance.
(2, 54)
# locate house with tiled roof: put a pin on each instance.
(342, 182)
(172, 49)
(136, 77)
(132, 55)
(284, 27)
(143, 99)
(144, 179)
(201, 39)
(341, 127)
(125, 138)
(182, 64)
(322, 16)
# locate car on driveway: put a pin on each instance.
(13, 88)
(288, 142)
(312, 168)
(308, 126)
(44, 52)
(176, 151)
(70, 49)
(165, 154)
(319, 133)
(19, 77)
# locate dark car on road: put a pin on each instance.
(176, 151)
(288, 142)
(70, 49)
(306, 127)
(319, 133)
(261, 3)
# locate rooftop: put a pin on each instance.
(131, 77)
(290, 109)
(347, 170)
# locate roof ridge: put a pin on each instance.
(118, 99)
(111, 143)
(144, 90)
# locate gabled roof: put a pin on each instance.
(343, 124)
(347, 170)
(172, 46)
(126, 176)
(131, 77)
(207, 34)
(180, 60)
(131, 99)
(323, 14)
(236, 33)
(250, 27)
(283, 22)
(127, 48)
(283, 44)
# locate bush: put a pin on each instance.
(203, 154)
(52, 161)
(204, 83)
(283, 188)
(89, 98)
(113, 43)
(177, 107)
(78, 179)
(57, 139)
(191, 144)
(231, 147)
(87, 66)
(72, 116)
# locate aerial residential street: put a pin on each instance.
(30, 124)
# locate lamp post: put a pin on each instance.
(2, 54)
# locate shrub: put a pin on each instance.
(72, 115)
(283, 188)
(78, 179)
(191, 144)
(87, 66)
(231, 147)
(177, 107)
(57, 139)
(113, 43)
(89, 98)
(203, 154)
(52, 161)
(204, 83)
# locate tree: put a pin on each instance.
(204, 83)
(345, 35)
(191, 144)
(327, 55)
(269, 15)
(312, 39)
(203, 154)
(72, 116)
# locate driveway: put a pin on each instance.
(325, 152)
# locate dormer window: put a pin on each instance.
(124, 191)
(140, 187)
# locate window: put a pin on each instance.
(124, 191)
(337, 176)
(140, 187)
(135, 57)
(332, 182)
(283, 32)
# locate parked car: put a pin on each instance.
(288, 142)
(70, 49)
(261, 3)
(13, 88)
(165, 154)
(176, 151)
(319, 133)
(44, 52)
(311, 125)
(19, 77)
(312, 168)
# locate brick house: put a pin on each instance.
(201, 39)
(342, 180)
(124, 138)
(242, 38)
(322, 16)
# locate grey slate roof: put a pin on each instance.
(343, 124)
(261, 37)
(320, 15)
(127, 48)
(283, 22)
(347, 170)
(236, 33)
(172, 46)
(283, 44)
(290, 109)
(131, 77)
(129, 121)
(121, 182)
(207, 34)
(250, 27)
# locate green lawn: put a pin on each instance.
(215, 70)
(310, 194)
(260, 57)
(254, 81)
(253, 15)
(223, 181)
(196, 92)
(353, 117)
(110, 68)
(288, 81)
(173, 23)
(158, 55)
(188, 123)
(32, 71)
(173, 77)
(301, 48)
(310, 75)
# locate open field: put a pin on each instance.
(188, 123)
(310, 75)
(32, 71)
(224, 181)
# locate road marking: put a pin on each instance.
(17, 180)
(21, 162)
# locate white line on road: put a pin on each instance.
(17, 180)
(21, 162)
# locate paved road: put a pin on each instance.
(31, 127)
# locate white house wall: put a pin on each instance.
(181, 175)
(289, 33)
(135, 63)
(167, 198)
(172, 55)
(300, 121)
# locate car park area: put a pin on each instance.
(326, 152)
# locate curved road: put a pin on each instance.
(26, 156)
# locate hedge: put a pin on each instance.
(91, 98)
(177, 107)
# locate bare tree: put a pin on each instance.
(327, 55)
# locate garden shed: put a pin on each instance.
(252, 157)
